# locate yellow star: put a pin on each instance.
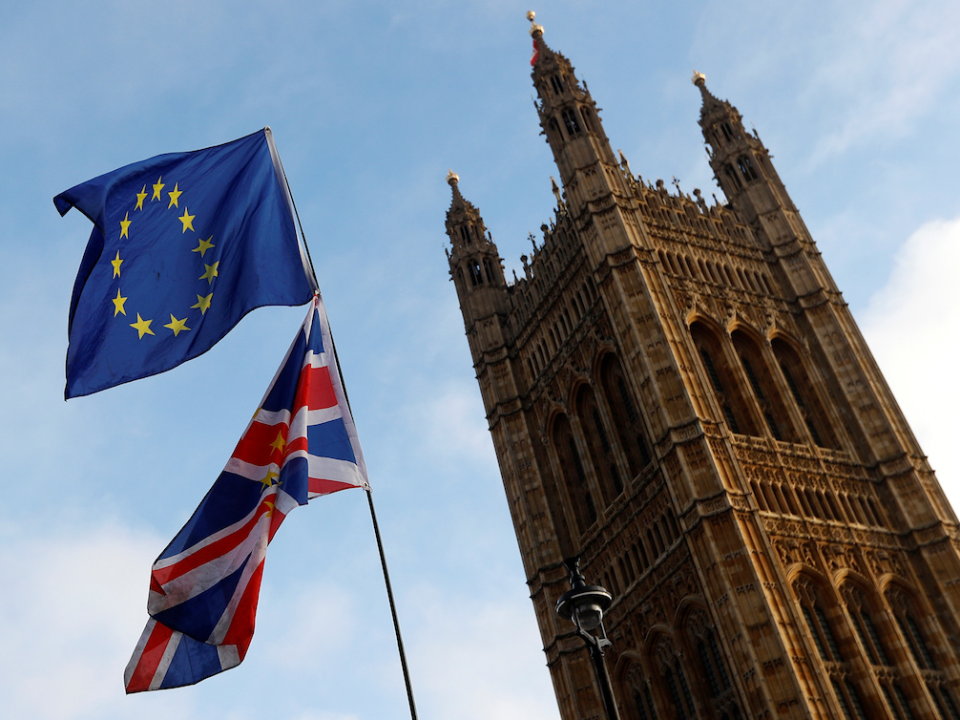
(204, 245)
(142, 326)
(203, 303)
(211, 272)
(157, 187)
(269, 508)
(176, 325)
(118, 302)
(269, 478)
(279, 443)
(174, 196)
(141, 196)
(116, 265)
(125, 227)
(187, 220)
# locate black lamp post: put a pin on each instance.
(584, 605)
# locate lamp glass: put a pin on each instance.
(589, 615)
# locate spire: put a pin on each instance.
(740, 162)
(568, 115)
(475, 263)
(710, 101)
(536, 32)
(458, 202)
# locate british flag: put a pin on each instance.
(300, 444)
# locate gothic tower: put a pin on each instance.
(679, 396)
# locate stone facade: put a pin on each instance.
(679, 396)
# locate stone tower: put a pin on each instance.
(679, 396)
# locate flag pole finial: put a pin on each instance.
(534, 28)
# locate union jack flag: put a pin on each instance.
(300, 444)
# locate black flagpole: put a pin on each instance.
(373, 513)
(393, 609)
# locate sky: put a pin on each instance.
(371, 103)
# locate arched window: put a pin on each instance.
(908, 620)
(764, 389)
(623, 412)
(727, 131)
(476, 277)
(723, 380)
(676, 689)
(488, 269)
(598, 444)
(574, 475)
(861, 614)
(821, 631)
(640, 705)
(570, 122)
(587, 119)
(557, 84)
(803, 393)
(712, 668)
(746, 167)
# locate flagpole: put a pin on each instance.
(393, 608)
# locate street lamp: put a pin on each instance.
(584, 605)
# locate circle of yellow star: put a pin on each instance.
(187, 220)
(176, 325)
(203, 303)
(203, 245)
(211, 272)
(157, 187)
(174, 196)
(142, 326)
(116, 265)
(141, 196)
(125, 227)
(118, 302)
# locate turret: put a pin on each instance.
(568, 114)
(591, 178)
(739, 159)
(475, 263)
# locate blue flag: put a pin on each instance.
(183, 246)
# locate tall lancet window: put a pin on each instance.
(625, 414)
(574, 474)
(599, 444)
(764, 389)
(570, 122)
(806, 398)
(724, 381)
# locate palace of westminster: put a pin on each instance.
(679, 397)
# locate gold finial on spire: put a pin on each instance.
(534, 28)
(452, 177)
(699, 79)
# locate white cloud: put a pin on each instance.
(322, 617)
(72, 608)
(912, 325)
(889, 65)
(481, 659)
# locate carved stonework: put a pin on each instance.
(737, 473)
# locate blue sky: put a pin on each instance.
(370, 104)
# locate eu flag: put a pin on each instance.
(183, 246)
